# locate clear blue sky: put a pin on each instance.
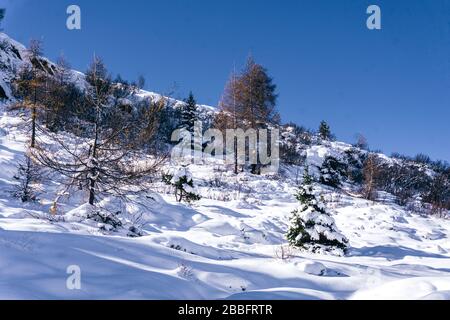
(391, 85)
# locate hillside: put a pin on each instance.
(229, 245)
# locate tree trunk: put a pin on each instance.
(33, 127)
(178, 195)
(92, 192)
(235, 156)
(94, 160)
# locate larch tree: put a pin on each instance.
(371, 173)
(103, 163)
(60, 96)
(256, 97)
(228, 116)
(248, 102)
(30, 84)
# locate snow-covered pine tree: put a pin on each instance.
(332, 172)
(312, 227)
(189, 113)
(183, 184)
(28, 174)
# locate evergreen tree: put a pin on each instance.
(312, 227)
(332, 172)
(189, 113)
(324, 131)
(141, 82)
(28, 175)
(183, 184)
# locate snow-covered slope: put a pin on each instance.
(217, 249)
(229, 245)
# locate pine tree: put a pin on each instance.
(189, 113)
(312, 227)
(183, 184)
(28, 175)
(141, 82)
(332, 172)
(324, 131)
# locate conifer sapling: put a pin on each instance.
(183, 184)
(312, 227)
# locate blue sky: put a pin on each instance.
(392, 85)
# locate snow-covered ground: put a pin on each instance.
(229, 245)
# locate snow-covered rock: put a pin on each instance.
(312, 267)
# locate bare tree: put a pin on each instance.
(361, 142)
(228, 117)
(64, 70)
(439, 193)
(371, 173)
(103, 163)
(30, 83)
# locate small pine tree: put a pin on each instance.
(189, 113)
(312, 227)
(324, 131)
(28, 174)
(183, 184)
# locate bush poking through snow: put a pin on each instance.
(284, 252)
(185, 271)
(183, 184)
(107, 221)
(312, 227)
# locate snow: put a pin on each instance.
(225, 246)
(216, 249)
(312, 267)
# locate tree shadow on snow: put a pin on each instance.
(225, 211)
(392, 252)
